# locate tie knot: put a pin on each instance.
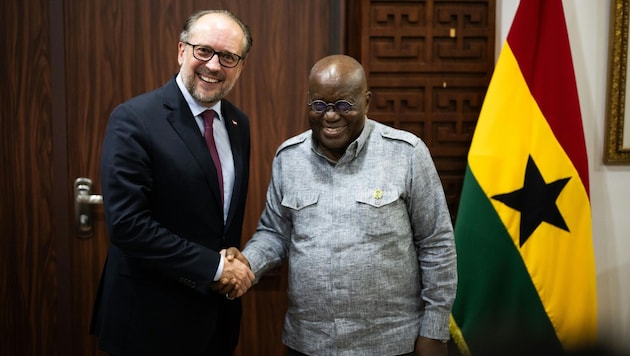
(208, 116)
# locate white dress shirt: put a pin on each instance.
(222, 141)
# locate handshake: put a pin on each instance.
(237, 277)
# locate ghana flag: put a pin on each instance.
(523, 229)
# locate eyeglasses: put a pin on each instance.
(205, 54)
(340, 106)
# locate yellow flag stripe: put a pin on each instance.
(458, 337)
(511, 128)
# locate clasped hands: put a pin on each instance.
(237, 277)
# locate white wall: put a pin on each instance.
(588, 26)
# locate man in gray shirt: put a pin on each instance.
(358, 211)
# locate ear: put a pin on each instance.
(368, 99)
(181, 47)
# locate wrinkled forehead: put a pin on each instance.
(218, 29)
(334, 85)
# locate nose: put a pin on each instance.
(213, 63)
(330, 113)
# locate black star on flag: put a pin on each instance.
(536, 201)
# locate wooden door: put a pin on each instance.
(67, 64)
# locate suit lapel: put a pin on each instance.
(183, 122)
(231, 124)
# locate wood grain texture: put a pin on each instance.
(27, 256)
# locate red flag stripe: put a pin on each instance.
(548, 55)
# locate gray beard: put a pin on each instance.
(205, 99)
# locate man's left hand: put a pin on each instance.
(430, 347)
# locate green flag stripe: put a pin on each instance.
(497, 307)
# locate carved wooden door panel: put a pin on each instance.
(428, 65)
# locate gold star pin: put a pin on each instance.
(378, 194)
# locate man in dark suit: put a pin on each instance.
(172, 208)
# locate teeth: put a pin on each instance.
(333, 131)
(208, 79)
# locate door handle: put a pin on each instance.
(83, 210)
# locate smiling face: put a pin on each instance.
(209, 82)
(336, 78)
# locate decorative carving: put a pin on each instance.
(429, 64)
(452, 38)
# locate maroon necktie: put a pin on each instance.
(208, 119)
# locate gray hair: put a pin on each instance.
(190, 22)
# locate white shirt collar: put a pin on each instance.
(194, 106)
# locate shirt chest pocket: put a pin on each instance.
(382, 212)
(302, 210)
(299, 202)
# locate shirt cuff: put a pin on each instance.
(219, 269)
(435, 325)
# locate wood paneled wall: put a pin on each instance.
(28, 266)
(67, 63)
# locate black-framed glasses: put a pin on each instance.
(205, 54)
(340, 106)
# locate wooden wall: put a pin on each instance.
(67, 63)
(28, 267)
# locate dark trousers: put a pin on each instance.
(291, 352)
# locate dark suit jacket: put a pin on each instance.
(165, 221)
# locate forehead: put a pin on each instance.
(218, 31)
(332, 90)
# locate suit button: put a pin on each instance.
(187, 282)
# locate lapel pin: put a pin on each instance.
(378, 194)
(234, 123)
